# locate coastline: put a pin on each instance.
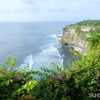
(72, 56)
(78, 49)
(71, 37)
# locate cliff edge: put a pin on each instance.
(74, 36)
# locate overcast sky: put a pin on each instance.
(49, 10)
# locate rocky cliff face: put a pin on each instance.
(72, 38)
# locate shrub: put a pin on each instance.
(72, 83)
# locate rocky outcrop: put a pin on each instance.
(87, 28)
(71, 38)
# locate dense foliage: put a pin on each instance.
(87, 22)
(94, 40)
(68, 84)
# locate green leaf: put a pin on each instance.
(13, 94)
(12, 65)
(11, 80)
(7, 83)
(31, 86)
(4, 79)
(8, 69)
(28, 89)
(23, 92)
(1, 74)
(91, 88)
(94, 82)
(76, 80)
(22, 82)
(65, 89)
(7, 75)
(52, 64)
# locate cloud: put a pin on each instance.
(56, 7)
(23, 6)
(95, 5)
(75, 8)
(95, 2)
(28, 2)
(32, 9)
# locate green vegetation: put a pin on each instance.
(81, 33)
(92, 33)
(65, 30)
(71, 25)
(94, 40)
(77, 83)
(68, 84)
(78, 30)
(87, 23)
(69, 37)
(62, 40)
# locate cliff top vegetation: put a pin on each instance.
(87, 23)
(93, 32)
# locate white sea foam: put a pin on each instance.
(55, 36)
(51, 51)
(44, 58)
(63, 56)
(28, 59)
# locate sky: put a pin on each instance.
(49, 10)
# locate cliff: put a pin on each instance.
(76, 40)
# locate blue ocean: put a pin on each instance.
(34, 42)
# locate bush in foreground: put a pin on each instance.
(68, 84)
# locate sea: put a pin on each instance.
(36, 43)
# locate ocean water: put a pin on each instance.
(34, 42)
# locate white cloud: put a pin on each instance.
(56, 7)
(32, 9)
(75, 8)
(49, 11)
(27, 6)
(95, 5)
(95, 2)
(16, 8)
(29, 2)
